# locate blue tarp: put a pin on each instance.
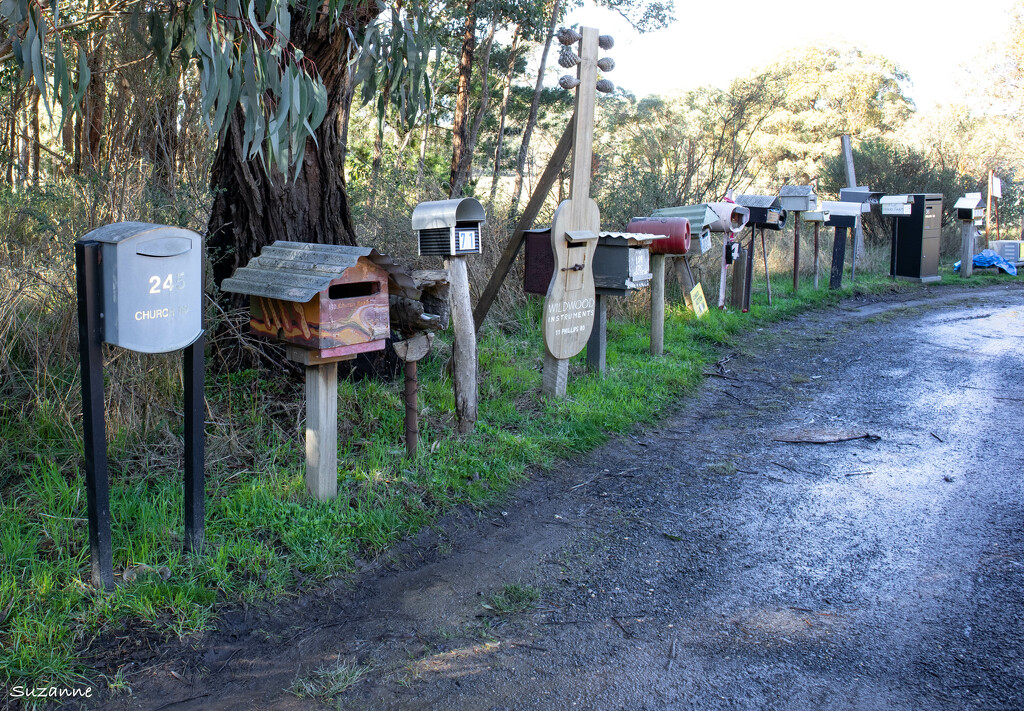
(988, 258)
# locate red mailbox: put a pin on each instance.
(677, 229)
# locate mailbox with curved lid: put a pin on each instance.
(675, 229)
(152, 285)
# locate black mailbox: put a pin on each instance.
(765, 211)
(916, 228)
(621, 262)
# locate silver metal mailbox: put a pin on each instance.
(152, 285)
(448, 227)
(816, 216)
(798, 198)
(897, 205)
(970, 207)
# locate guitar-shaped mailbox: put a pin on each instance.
(570, 301)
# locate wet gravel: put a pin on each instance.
(700, 563)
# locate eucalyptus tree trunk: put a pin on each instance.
(460, 132)
(252, 208)
(505, 99)
(466, 164)
(531, 120)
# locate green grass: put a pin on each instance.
(329, 680)
(263, 536)
(512, 598)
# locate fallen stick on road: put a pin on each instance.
(811, 438)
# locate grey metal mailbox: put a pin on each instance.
(152, 279)
(798, 198)
(971, 208)
(448, 227)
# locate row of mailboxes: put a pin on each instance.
(621, 262)
(333, 300)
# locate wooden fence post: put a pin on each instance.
(966, 248)
(464, 346)
(657, 304)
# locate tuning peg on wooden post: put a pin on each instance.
(569, 36)
(605, 86)
(567, 81)
(605, 41)
(567, 58)
(606, 64)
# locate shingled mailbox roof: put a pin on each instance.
(297, 271)
(762, 201)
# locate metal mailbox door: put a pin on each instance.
(152, 286)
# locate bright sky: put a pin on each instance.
(930, 40)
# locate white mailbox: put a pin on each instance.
(970, 208)
(897, 205)
(152, 279)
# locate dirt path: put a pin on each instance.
(701, 563)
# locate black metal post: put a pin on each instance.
(195, 410)
(838, 259)
(748, 281)
(90, 348)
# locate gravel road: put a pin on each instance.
(703, 563)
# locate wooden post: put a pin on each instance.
(796, 252)
(851, 182)
(988, 206)
(767, 276)
(411, 350)
(748, 275)
(685, 275)
(412, 415)
(838, 258)
(966, 248)
(322, 430)
(725, 273)
(739, 273)
(464, 346)
(817, 229)
(597, 344)
(556, 375)
(658, 304)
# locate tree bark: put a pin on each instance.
(460, 134)
(531, 120)
(251, 208)
(466, 165)
(505, 99)
(34, 117)
(95, 105)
